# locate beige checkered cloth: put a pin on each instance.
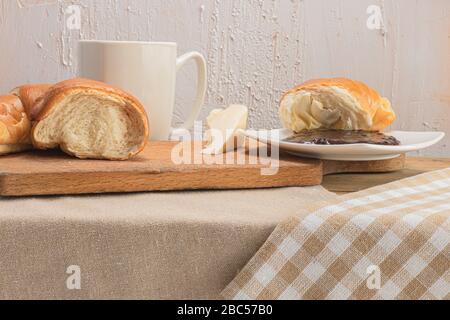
(399, 231)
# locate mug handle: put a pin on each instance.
(201, 90)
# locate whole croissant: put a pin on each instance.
(85, 118)
(340, 103)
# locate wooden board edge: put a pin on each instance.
(380, 166)
(18, 185)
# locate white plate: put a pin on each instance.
(411, 141)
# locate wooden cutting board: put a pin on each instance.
(54, 173)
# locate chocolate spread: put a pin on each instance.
(336, 137)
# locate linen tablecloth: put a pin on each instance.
(389, 242)
(187, 245)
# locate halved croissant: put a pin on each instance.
(89, 119)
(339, 103)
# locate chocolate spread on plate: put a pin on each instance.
(336, 137)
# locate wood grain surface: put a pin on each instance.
(353, 182)
(54, 173)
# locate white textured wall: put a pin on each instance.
(255, 48)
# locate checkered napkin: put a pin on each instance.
(389, 242)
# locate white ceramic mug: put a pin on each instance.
(148, 71)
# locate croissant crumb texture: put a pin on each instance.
(87, 124)
(340, 104)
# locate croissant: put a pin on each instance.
(15, 124)
(89, 120)
(29, 94)
(85, 118)
(340, 104)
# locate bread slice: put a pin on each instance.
(89, 119)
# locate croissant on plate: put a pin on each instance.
(337, 104)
